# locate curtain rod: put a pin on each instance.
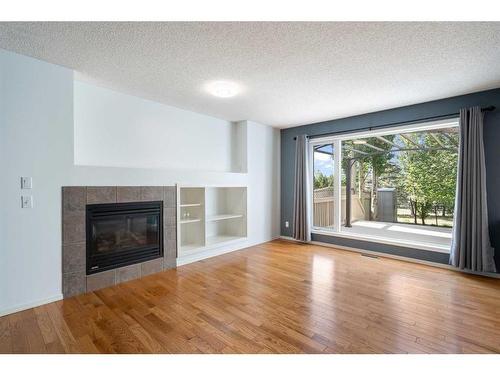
(484, 109)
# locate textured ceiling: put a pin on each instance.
(292, 73)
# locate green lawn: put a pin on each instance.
(442, 221)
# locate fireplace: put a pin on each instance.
(121, 234)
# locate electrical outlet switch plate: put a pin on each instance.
(287, 224)
(26, 201)
(26, 182)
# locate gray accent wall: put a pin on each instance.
(402, 114)
(430, 256)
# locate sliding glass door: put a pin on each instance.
(324, 180)
(323, 176)
(393, 186)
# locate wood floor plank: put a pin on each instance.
(5, 336)
(63, 331)
(277, 297)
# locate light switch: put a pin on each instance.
(26, 182)
(26, 201)
(287, 224)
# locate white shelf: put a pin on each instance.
(191, 205)
(220, 239)
(190, 248)
(223, 217)
(186, 221)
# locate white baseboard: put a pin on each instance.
(29, 305)
(213, 252)
(288, 238)
(206, 254)
(397, 257)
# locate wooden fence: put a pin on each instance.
(323, 205)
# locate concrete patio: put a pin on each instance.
(408, 233)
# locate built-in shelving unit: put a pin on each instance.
(209, 218)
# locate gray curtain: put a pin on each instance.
(471, 249)
(301, 220)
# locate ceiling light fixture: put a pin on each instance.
(359, 142)
(223, 89)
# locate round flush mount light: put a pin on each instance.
(223, 89)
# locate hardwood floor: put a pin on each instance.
(278, 297)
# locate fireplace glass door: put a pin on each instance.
(123, 233)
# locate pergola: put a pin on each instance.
(364, 148)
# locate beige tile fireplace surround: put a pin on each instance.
(74, 200)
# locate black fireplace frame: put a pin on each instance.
(95, 264)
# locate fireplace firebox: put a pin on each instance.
(121, 234)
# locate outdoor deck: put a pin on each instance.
(427, 235)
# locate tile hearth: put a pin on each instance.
(74, 200)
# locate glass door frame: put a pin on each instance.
(336, 141)
(337, 179)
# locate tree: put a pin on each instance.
(428, 176)
(322, 181)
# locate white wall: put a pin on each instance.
(263, 182)
(36, 139)
(114, 129)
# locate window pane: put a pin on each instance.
(401, 186)
(323, 186)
